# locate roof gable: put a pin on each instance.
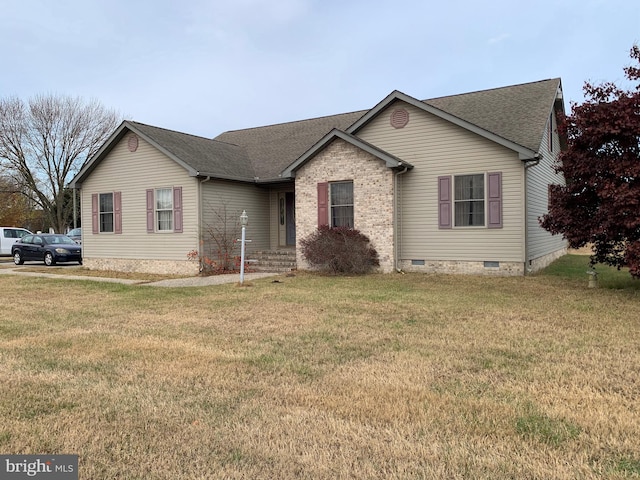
(199, 156)
(391, 161)
(514, 117)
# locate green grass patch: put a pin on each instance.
(574, 268)
(537, 426)
(628, 466)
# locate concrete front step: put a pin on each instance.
(273, 261)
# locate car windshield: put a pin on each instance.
(59, 239)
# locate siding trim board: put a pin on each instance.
(151, 217)
(117, 212)
(177, 209)
(494, 200)
(323, 204)
(95, 215)
(444, 202)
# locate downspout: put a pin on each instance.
(532, 162)
(75, 207)
(396, 223)
(201, 215)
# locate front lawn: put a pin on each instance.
(382, 376)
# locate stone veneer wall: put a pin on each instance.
(162, 267)
(545, 260)
(504, 269)
(372, 192)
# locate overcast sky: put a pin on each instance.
(204, 67)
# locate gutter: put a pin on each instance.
(201, 215)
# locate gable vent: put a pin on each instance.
(133, 142)
(399, 118)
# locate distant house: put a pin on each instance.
(453, 184)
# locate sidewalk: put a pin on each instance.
(175, 282)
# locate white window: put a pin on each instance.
(106, 212)
(341, 198)
(469, 200)
(164, 209)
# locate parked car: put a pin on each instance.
(49, 248)
(9, 236)
(75, 235)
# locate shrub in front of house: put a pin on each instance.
(339, 250)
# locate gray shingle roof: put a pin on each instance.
(203, 155)
(516, 113)
(274, 147)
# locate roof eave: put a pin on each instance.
(218, 176)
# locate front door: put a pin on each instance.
(290, 201)
(286, 219)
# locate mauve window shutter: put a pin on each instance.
(117, 212)
(150, 211)
(177, 209)
(323, 204)
(494, 196)
(444, 202)
(95, 219)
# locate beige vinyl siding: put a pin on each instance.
(538, 177)
(132, 173)
(234, 197)
(436, 148)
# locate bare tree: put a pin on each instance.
(15, 209)
(221, 238)
(44, 142)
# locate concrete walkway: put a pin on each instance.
(210, 280)
(174, 282)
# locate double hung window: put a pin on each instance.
(106, 212)
(469, 200)
(164, 209)
(341, 198)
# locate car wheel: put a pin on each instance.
(80, 261)
(17, 258)
(48, 259)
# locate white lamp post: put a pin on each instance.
(244, 219)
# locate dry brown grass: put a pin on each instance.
(373, 377)
(74, 270)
